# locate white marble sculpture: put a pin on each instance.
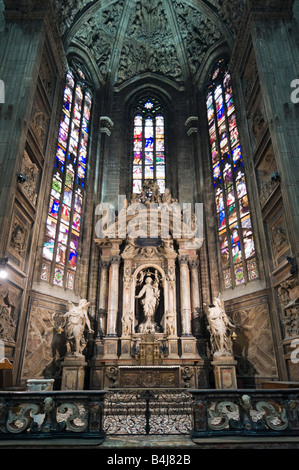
(220, 327)
(75, 321)
(151, 293)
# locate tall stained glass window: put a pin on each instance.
(63, 224)
(148, 144)
(237, 247)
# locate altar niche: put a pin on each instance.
(149, 302)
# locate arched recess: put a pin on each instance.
(163, 298)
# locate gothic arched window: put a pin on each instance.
(235, 233)
(148, 144)
(63, 224)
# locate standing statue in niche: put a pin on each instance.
(75, 321)
(221, 328)
(151, 293)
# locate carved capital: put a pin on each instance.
(194, 264)
(104, 264)
(115, 260)
(183, 259)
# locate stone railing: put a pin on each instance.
(197, 413)
(245, 412)
(48, 414)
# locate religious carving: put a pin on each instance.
(187, 374)
(204, 33)
(288, 293)
(39, 123)
(127, 322)
(151, 293)
(131, 248)
(31, 172)
(18, 238)
(75, 321)
(7, 323)
(220, 327)
(66, 11)
(149, 350)
(111, 374)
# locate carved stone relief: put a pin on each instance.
(18, 239)
(288, 293)
(47, 77)
(39, 124)
(31, 172)
(198, 33)
(267, 183)
(149, 40)
(253, 346)
(7, 323)
(67, 11)
(46, 342)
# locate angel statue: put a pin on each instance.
(151, 293)
(75, 321)
(220, 328)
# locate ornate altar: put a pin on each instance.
(149, 295)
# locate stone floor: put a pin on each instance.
(157, 443)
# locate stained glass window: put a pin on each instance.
(236, 240)
(148, 144)
(63, 223)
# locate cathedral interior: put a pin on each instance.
(149, 179)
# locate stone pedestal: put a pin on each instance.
(73, 373)
(126, 348)
(189, 347)
(173, 352)
(225, 372)
(110, 347)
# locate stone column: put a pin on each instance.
(113, 297)
(195, 297)
(188, 341)
(185, 296)
(103, 299)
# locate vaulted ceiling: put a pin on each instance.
(123, 39)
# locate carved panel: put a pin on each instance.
(45, 344)
(18, 239)
(7, 322)
(30, 181)
(199, 33)
(253, 347)
(39, 123)
(143, 377)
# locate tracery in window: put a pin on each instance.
(148, 144)
(63, 223)
(237, 247)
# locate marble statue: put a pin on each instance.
(151, 293)
(75, 321)
(220, 328)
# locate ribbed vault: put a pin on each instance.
(123, 39)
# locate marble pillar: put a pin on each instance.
(113, 296)
(195, 297)
(111, 339)
(103, 299)
(185, 296)
(188, 341)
